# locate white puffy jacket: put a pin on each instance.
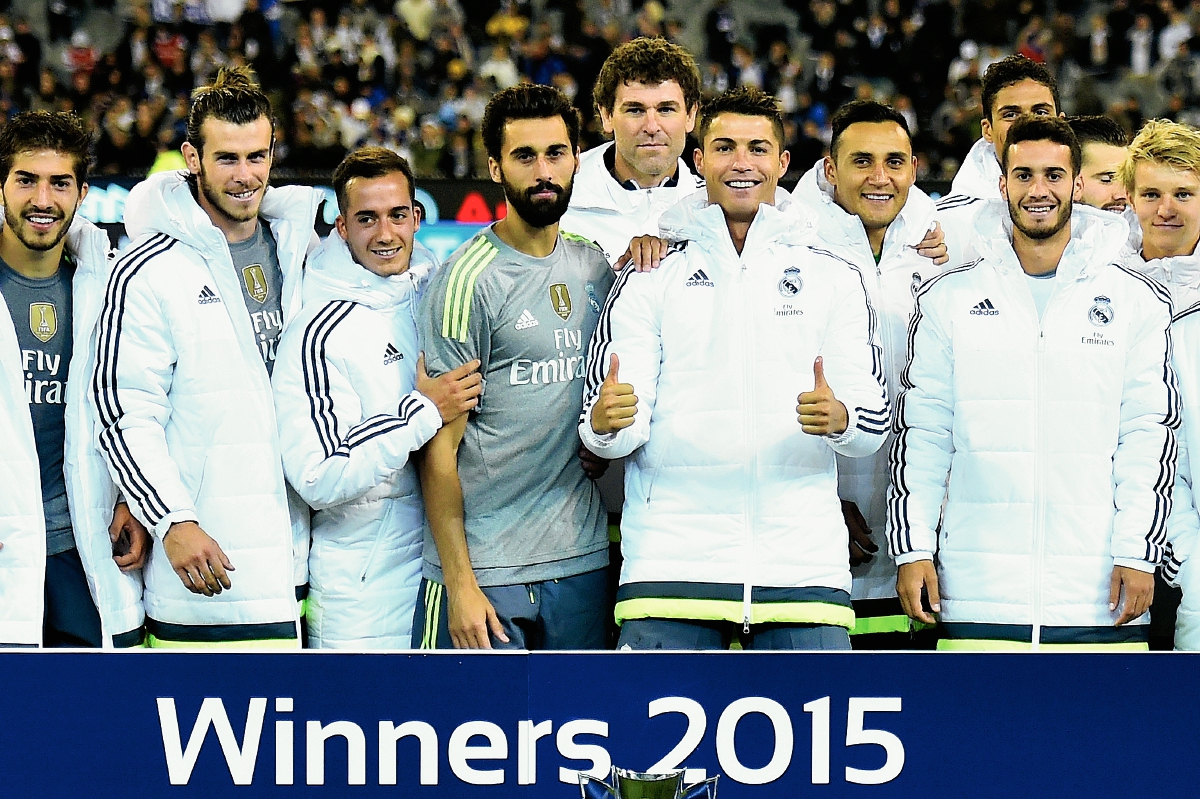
(1051, 443)
(727, 501)
(349, 418)
(186, 416)
(1179, 273)
(91, 494)
(892, 287)
(604, 211)
(978, 179)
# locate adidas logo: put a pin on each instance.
(207, 297)
(985, 308)
(391, 354)
(699, 279)
(526, 320)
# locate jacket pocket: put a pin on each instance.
(654, 471)
(380, 533)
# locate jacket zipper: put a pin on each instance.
(751, 500)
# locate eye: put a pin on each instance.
(1184, 195)
(896, 163)
(1041, 112)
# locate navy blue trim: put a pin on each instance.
(130, 639)
(598, 348)
(316, 372)
(1023, 633)
(731, 592)
(219, 633)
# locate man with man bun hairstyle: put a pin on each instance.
(187, 342)
(354, 404)
(1104, 145)
(69, 549)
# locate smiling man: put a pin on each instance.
(517, 545)
(354, 404)
(732, 375)
(187, 341)
(1036, 445)
(58, 504)
(1105, 145)
(1162, 175)
(870, 213)
(1012, 87)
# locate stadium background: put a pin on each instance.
(415, 75)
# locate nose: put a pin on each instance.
(243, 173)
(652, 125)
(42, 194)
(544, 170)
(878, 174)
(1166, 207)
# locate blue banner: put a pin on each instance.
(499, 725)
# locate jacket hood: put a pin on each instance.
(163, 203)
(333, 274)
(694, 218)
(1097, 238)
(979, 175)
(595, 187)
(840, 228)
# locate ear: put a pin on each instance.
(1078, 191)
(339, 224)
(985, 126)
(605, 120)
(1004, 188)
(691, 123)
(698, 160)
(191, 157)
(83, 190)
(494, 170)
(830, 172)
(785, 158)
(576, 161)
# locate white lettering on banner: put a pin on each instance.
(464, 756)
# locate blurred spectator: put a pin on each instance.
(720, 30)
(428, 149)
(80, 56)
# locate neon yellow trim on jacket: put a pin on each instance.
(731, 610)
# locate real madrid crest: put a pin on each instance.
(1101, 313)
(256, 282)
(790, 284)
(560, 300)
(43, 320)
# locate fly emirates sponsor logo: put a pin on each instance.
(567, 366)
(39, 392)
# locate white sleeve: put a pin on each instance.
(630, 326)
(332, 452)
(1183, 526)
(135, 363)
(924, 445)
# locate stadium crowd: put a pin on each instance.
(236, 435)
(415, 76)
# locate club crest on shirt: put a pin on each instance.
(43, 320)
(256, 282)
(1101, 313)
(791, 283)
(560, 300)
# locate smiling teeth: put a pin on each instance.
(878, 196)
(741, 184)
(387, 253)
(41, 220)
(245, 195)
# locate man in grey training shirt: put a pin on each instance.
(57, 505)
(517, 542)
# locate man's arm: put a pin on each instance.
(1145, 459)
(629, 330)
(471, 615)
(135, 365)
(1183, 526)
(921, 457)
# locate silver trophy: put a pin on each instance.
(624, 784)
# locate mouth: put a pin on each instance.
(545, 193)
(878, 198)
(242, 196)
(385, 254)
(1040, 210)
(42, 222)
(742, 185)
(1115, 207)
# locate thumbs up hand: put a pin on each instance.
(819, 411)
(617, 405)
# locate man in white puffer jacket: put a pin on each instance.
(870, 213)
(1162, 176)
(182, 384)
(61, 575)
(354, 403)
(731, 519)
(1036, 446)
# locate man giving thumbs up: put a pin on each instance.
(723, 397)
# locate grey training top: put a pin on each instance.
(261, 279)
(531, 514)
(41, 312)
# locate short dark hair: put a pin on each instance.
(233, 96)
(1053, 129)
(1011, 70)
(46, 130)
(746, 101)
(526, 101)
(1098, 130)
(370, 162)
(648, 61)
(863, 111)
